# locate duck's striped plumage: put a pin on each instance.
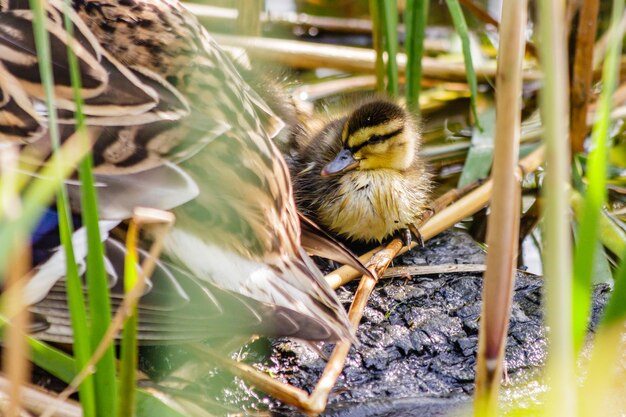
(241, 232)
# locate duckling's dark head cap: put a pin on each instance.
(374, 113)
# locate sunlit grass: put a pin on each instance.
(385, 39)
(415, 21)
(389, 14)
(128, 348)
(458, 19)
(377, 43)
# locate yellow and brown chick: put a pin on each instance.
(361, 176)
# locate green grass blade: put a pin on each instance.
(389, 15)
(128, 355)
(458, 19)
(63, 367)
(479, 158)
(75, 297)
(377, 42)
(416, 20)
(98, 291)
(596, 190)
(54, 361)
(104, 377)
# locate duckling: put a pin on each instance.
(166, 107)
(360, 175)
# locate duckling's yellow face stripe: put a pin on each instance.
(370, 137)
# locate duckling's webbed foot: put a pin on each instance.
(414, 231)
(407, 234)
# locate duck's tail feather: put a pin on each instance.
(318, 242)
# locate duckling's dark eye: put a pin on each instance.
(376, 139)
(381, 138)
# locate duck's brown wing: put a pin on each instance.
(177, 307)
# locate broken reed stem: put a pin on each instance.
(582, 74)
(15, 361)
(210, 16)
(422, 270)
(141, 216)
(504, 219)
(377, 265)
(447, 217)
(316, 402)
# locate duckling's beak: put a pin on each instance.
(344, 161)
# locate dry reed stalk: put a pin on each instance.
(249, 17)
(504, 219)
(15, 359)
(298, 54)
(557, 251)
(416, 270)
(377, 265)
(582, 73)
(210, 15)
(314, 92)
(163, 221)
(36, 400)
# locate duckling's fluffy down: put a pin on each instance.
(360, 205)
